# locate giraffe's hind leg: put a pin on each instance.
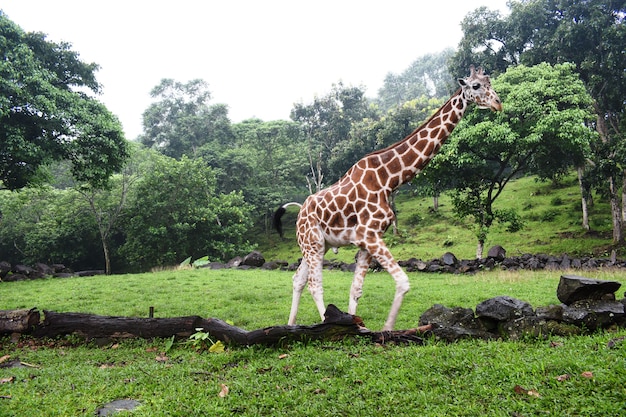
(380, 252)
(299, 282)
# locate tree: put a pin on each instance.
(541, 131)
(181, 121)
(326, 122)
(46, 116)
(174, 213)
(427, 76)
(591, 34)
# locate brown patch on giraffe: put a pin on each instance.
(352, 220)
(394, 165)
(409, 158)
(449, 127)
(385, 157)
(401, 148)
(361, 192)
(352, 194)
(429, 148)
(373, 161)
(358, 206)
(447, 108)
(370, 180)
(423, 134)
(434, 123)
(341, 201)
(394, 182)
(420, 144)
(383, 175)
(336, 220)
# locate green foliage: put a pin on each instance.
(174, 212)
(541, 131)
(427, 76)
(181, 121)
(44, 117)
(326, 122)
(201, 341)
(47, 225)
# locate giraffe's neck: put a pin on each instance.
(400, 162)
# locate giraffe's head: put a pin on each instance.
(477, 89)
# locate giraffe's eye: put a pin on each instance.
(476, 86)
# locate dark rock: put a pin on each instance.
(497, 252)
(235, 262)
(24, 270)
(452, 324)
(593, 314)
(44, 269)
(522, 327)
(5, 268)
(15, 277)
(573, 288)
(214, 265)
(116, 407)
(254, 259)
(551, 312)
(503, 308)
(449, 259)
(272, 265)
(566, 263)
(89, 273)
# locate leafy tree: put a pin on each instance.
(42, 224)
(45, 115)
(326, 122)
(181, 121)
(427, 76)
(591, 34)
(541, 131)
(174, 213)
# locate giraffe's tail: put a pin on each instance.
(278, 214)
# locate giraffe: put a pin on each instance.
(356, 210)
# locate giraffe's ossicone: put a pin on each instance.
(356, 210)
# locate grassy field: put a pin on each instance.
(551, 213)
(577, 376)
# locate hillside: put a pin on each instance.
(552, 225)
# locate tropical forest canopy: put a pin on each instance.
(75, 191)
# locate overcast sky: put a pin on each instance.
(258, 57)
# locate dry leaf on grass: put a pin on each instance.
(587, 374)
(563, 377)
(223, 391)
(7, 380)
(5, 358)
(530, 392)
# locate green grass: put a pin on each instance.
(552, 216)
(347, 378)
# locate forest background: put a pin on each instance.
(75, 191)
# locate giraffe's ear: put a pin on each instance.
(462, 82)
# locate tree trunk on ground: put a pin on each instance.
(18, 321)
(336, 325)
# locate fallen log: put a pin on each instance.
(18, 321)
(336, 325)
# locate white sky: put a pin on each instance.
(258, 57)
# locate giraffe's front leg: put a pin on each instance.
(363, 260)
